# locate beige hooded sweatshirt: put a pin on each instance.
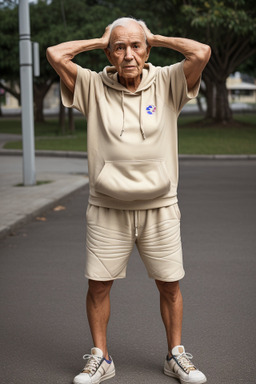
(131, 137)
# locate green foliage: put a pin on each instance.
(66, 20)
(71, 20)
(236, 17)
(229, 26)
(212, 21)
(9, 44)
(248, 67)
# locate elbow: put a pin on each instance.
(202, 56)
(51, 55)
(205, 54)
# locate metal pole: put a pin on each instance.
(36, 59)
(26, 83)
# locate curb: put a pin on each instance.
(83, 155)
(217, 157)
(44, 153)
(46, 207)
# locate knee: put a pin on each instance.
(99, 289)
(170, 291)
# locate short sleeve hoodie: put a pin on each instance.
(131, 137)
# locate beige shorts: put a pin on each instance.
(112, 233)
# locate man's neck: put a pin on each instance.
(131, 84)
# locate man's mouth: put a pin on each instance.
(129, 66)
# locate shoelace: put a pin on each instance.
(184, 362)
(92, 364)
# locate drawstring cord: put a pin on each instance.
(140, 117)
(136, 223)
(122, 102)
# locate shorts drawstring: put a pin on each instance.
(136, 223)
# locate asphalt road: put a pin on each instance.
(44, 331)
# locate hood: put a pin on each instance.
(110, 78)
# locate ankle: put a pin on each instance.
(107, 357)
(105, 354)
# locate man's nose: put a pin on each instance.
(128, 54)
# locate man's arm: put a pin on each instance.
(60, 56)
(196, 54)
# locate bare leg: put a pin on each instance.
(171, 305)
(98, 312)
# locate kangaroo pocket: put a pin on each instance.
(133, 180)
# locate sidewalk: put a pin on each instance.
(18, 204)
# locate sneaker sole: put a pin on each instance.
(107, 376)
(172, 374)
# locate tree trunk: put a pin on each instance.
(210, 95)
(12, 89)
(223, 110)
(71, 122)
(199, 104)
(39, 107)
(40, 90)
(216, 94)
(62, 111)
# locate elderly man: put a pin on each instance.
(131, 109)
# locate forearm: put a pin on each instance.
(60, 57)
(196, 54)
(65, 52)
(189, 48)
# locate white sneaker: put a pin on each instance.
(180, 366)
(96, 370)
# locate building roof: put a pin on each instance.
(242, 86)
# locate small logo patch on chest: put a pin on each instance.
(151, 109)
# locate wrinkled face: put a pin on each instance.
(128, 50)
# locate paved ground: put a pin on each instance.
(44, 332)
(18, 204)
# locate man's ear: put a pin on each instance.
(148, 51)
(108, 54)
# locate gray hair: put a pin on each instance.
(124, 21)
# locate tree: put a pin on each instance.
(9, 52)
(51, 23)
(229, 27)
(248, 67)
(46, 28)
(60, 21)
(9, 57)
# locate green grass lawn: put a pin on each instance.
(76, 142)
(195, 136)
(48, 135)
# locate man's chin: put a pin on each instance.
(129, 74)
